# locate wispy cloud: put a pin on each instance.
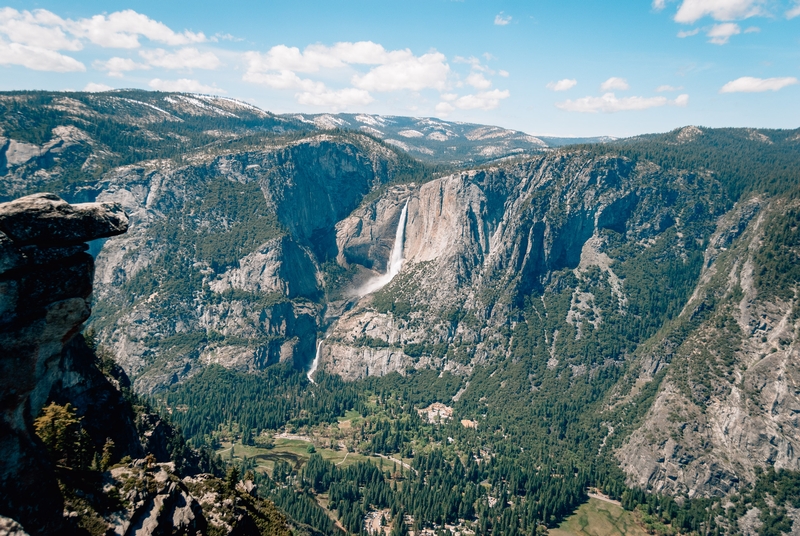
(183, 59)
(37, 58)
(502, 20)
(688, 33)
(690, 11)
(614, 83)
(562, 85)
(720, 34)
(485, 100)
(183, 85)
(33, 38)
(609, 103)
(665, 88)
(336, 99)
(749, 84)
(93, 87)
(793, 12)
(478, 81)
(116, 66)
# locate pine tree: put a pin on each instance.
(108, 452)
(59, 429)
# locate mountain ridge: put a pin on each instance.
(601, 305)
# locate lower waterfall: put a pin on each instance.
(315, 363)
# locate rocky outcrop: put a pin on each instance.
(729, 401)
(158, 502)
(45, 288)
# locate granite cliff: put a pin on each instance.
(46, 287)
(46, 280)
(639, 278)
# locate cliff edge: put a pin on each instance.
(45, 287)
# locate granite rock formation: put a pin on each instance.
(45, 287)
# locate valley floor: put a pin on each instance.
(599, 517)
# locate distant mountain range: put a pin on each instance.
(622, 316)
(435, 140)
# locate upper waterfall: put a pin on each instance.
(395, 259)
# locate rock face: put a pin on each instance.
(244, 235)
(477, 243)
(160, 503)
(729, 401)
(45, 286)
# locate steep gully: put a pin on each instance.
(394, 267)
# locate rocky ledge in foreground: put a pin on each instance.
(45, 285)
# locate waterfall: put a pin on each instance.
(395, 259)
(315, 363)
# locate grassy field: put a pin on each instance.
(599, 518)
(295, 452)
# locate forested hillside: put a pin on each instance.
(620, 316)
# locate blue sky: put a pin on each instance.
(568, 67)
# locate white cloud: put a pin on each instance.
(688, 33)
(752, 29)
(474, 62)
(122, 29)
(563, 85)
(444, 108)
(609, 103)
(283, 58)
(282, 67)
(37, 58)
(183, 85)
(503, 73)
(316, 57)
(614, 83)
(396, 69)
(478, 81)
(183, 59)
(691, 11)
(661, 89)
(92, 87)
(749, 84)
(39, 28)
(658, 5)
(502, 20)
(720, 34)
(116, 66)
(285, 80)
(429, 71)
(336, 100)
(36, 36)
(794, 12)
(484, 100)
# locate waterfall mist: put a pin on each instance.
(395, 260)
